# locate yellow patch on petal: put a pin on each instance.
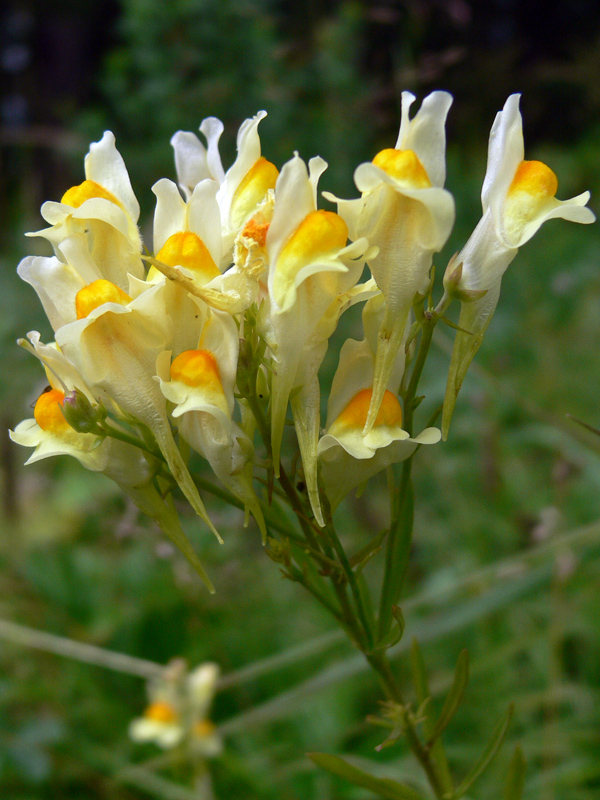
(197, 368)
(532, 188)
(77, 195)
(48, 413)
(203, 728)
(252, 189)
(355, 413)
(404, 166)
(320, 233)
(96, 294)
(186, 249)
(161, 712)
(534, 178)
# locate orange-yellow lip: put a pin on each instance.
(186, 249)
(355, 413)
(77, 195)
(48, 412)
(405, 166)
(197, 368)
(96, 294)
(534, 178)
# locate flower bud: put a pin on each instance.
(81, 414)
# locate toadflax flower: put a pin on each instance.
(310, 265)
(408, 216)
(105, 210)
(200, 383)
(68, 420)
(348, 456)
(177, 712)
(518, 196)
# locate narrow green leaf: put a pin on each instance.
(490, 752)
(384, 787)
(454, 698)
(451, 324)
(516, 776)
(421, 683)
(359, 559)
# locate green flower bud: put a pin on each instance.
(81, 414)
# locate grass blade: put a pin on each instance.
(384, 787)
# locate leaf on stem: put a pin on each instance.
(454, 698)
(384, 787)
(488, 755)
(426, 715)
(366, 553)
(516, 776)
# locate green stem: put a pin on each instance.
(352, 582)
(397, 552)
(115, 433)
(401, 526)
(381, 665)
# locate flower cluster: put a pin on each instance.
(226, 325)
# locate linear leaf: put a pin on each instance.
(421, 683)
(516, 776)
(454, 697)
(384, 787)
(490, 751)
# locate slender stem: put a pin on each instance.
(381, 665)
(285, 482)
(426, 337)
(116, 433)
(401, 526)
(352, 582)
(397, 553)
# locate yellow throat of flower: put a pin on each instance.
(77, 195)
(48, 413)
(161, 711)
(251, 191)
(320, 233)
(405, 166)
(186, 249)
(198, 369)
(354, 416)
(534, 178)
(96, 294)
(533, 185)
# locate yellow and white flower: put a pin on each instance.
(200, 383)
(406, 213)
(177, 713)
(310, 266)
(518, 196)
(348, 456)
(190, 249)
(50, 434)
(114, 344)
(105, 210)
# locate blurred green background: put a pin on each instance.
(506, 555)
